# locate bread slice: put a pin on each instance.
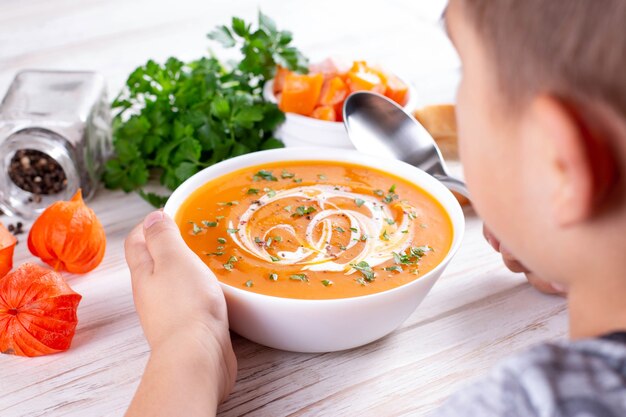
(440, 121)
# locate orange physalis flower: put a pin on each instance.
(37, 312)
(68, 236)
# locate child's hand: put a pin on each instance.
(516, 266)
(180, 303)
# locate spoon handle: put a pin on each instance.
(454, 184)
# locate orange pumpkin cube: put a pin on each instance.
(279, 79)
(324, 113)
(397, 90)
(363, 78)
(301, 93)
(334, 91)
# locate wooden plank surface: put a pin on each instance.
(477, 314)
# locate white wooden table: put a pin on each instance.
(477, 314)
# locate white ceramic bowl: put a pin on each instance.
(326, 325)
(303, 131)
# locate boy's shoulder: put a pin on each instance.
(585, 377)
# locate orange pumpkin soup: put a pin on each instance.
(315, 229)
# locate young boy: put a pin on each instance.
(542, 119)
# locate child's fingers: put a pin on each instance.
(136, 252)
(163, 240)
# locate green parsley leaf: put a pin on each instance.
(221, 240)
(359, 202)
(368, 273)
(286, 174)
(249, 283)
(302, 211)
(327, 283)
(273, 276)
(395, 268)
(175, 118)
(264, 175)
(299, 277)
(270, 193)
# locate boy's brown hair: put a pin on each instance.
(573, 49)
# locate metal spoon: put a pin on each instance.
(380, 127)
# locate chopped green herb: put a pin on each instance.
(322, 177)
(297, 180)
(209, 224)
(221, 240)
(390, 221)
(274, 258)
(354, 229)
(419, 251)
(258, 240)
(287, 174)
(228, 266)
(404, 231)
(196, 229)
(301, 211)
(379, 193)
(253, 190)
(273, 276)
(268, 243)
(412, 215)
(361, 281)
(327, 283)
(299, 277)
(249, 283)
(264, 175)
(231, 231)
(366, 270)
(287, 208)
(412, 257)
(278, 238)
(359, 202)
(385, 235)
(397, 258)
(228, 203)
(339, 229)
(395, 268)
(215, 253)
(364, 237)
(392, 189)
(270, 193)
(342, 247)
(218, 218)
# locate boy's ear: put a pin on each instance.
(580, 164)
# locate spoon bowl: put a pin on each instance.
(378, 126)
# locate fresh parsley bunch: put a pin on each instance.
(176, 118)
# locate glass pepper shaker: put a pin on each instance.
(55, 136)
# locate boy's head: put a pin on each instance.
(542, 121)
